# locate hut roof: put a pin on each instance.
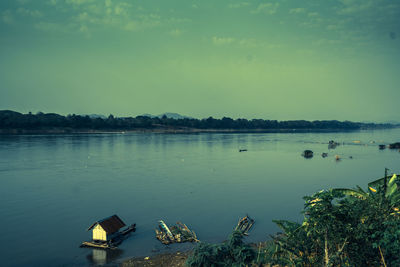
(110, 224)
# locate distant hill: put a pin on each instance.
(170, 115)
(95, 116)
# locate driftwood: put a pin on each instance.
(244, 225)
(178, 233)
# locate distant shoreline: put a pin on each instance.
(58, 131)
(12, 122)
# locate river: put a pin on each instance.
(53, 187)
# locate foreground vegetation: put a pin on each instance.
(41, 121)
(341, 227)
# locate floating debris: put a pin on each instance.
(332, 144)
(107, 234)
(324, 155)
(242, 150)
(307, 154)
(244, 225)
(178, 233)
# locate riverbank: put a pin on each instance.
(177, 259)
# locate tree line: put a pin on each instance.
(15, 120)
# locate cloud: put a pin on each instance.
(239, 5)
(81, 2)
(53, 2)
(313, 14)
(27, 12)
(297, 10)
(84, 16)
(222, 40)
(323, 41)
(332, 27)
(7, 17)
(175, 32)
(355, 6)
(51, 27)
(23, 2)
(266, 8)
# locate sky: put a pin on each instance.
(267, 59)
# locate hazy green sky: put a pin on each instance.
(287, 59)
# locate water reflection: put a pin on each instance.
(100, 257)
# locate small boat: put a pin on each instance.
(332, 144)
(244, 225)
(242, 150)
(394, 146)
(307, 154)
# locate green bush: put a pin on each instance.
(341, 227)
(233, 252)
(344, 227)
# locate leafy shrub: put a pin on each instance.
(233, 252)
(344, 227)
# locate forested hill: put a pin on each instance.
(11, 120)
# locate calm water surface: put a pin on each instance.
(53, 187)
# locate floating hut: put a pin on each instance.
(106, 228)
(106, 232)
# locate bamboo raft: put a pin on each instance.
(112, 243)
(244, 225)
(178, 233)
